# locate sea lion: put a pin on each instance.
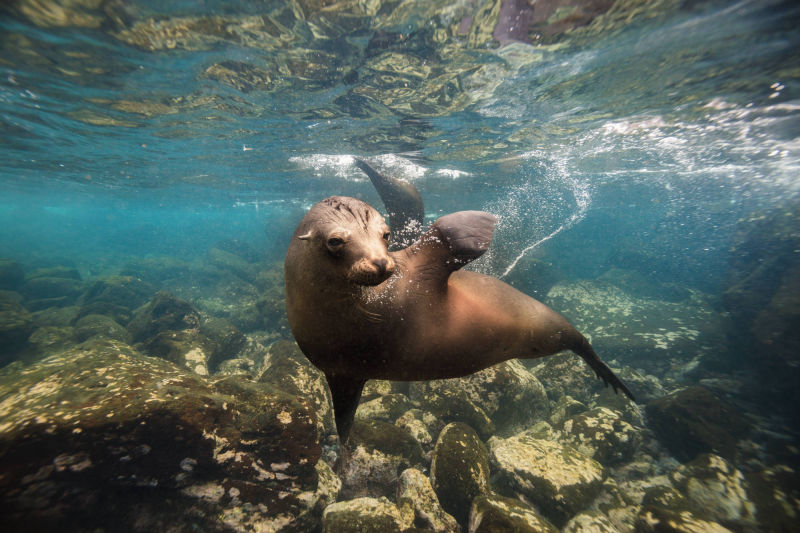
(359, 311)
(403, 202)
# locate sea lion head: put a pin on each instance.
(351, 238)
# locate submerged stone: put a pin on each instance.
(416, 496)
(510, 396)
(716, 490)
(165, 312)
(603, 435)
(452, 404)
(379, 452)
(555, 477)
(101, 432)
(492, 513)
(693, 421)
(460, 469)
(589, 522)
(100, 325)
(16, 325)
(364, 515)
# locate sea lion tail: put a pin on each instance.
(585, 350)
(345, 393)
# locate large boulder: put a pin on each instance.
(101, 437)
(164, 312)
(603, 435)
(716, 490)
(555, 477)
(491, 513)
(453, 404)
(507, 393)
(460, 469)
(116, 296)
(666, 338)
(16, 325)
(51, 287)
(416, 495)
(693, 420)
(378, 453)
(365, 515)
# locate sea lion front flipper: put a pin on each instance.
(345, 392)
(467, 234)
(403, 202)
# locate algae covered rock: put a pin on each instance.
(715, 489)
(452, 404)
(287, 369)
(510, 396)
(387, 408)
(603, 435)
(116, 296)
(100, 325)
(380, 451)
(100, 432)
(693, 421)
(16, 325)
(555, 477)
(566, 374)
(164, 312)
(460, 469)
(416, 495)
(364, 515)
(421, 425)
(491, 513)
(589, 522)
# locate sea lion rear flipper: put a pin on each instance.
(608, 376)
(403, 202)
(345, 392)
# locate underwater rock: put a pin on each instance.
(455, 405)
(603, 435)
(287, 369)
(16, 325)
(564, 374)
(185, 348)
(380, 451)
(228, 262)
(100, 325)
(421, 425)
(57, 316)
(589, 522)
(460, 469)
(364, 515)
(49, 340)
(775, 491)
(693, 420)
(715, 490)
(664, 338)
(510, 396)
(386, 408)
(165, 312)
(11, 275)
(223, 339)
(565, 408)
(416, 496)
(491, 513)
(101, 432)
(46, 288)
(662, 520)
(555, 477)
(116, 296)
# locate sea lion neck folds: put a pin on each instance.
(360, 312)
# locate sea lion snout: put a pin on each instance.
(371, 271)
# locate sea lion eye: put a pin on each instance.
(386, 236)
(335, 242)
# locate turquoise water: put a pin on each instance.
(647, 153)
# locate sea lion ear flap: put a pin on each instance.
(306, 236)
